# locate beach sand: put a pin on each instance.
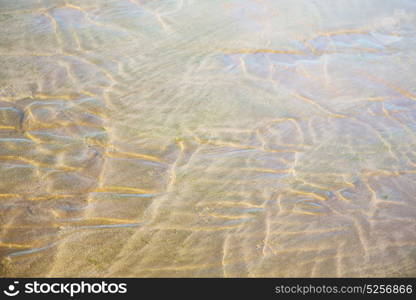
(185, 138)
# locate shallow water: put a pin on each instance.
(208, 138)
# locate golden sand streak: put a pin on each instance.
(381, 138)
(294, 122)
(120, 154)
(91, 21)
(123, 190)
(314, 103)
(7, 128)
(54, 197)
(225, 144)
(396, 88)
(16, 246)
(229, 217)
(372, 99)
(73, 6)
(391, 117)
(340, 196)
(309, 213)
(309, 194)
(100, 221)
(280, 250)
(44, 126)
(231, 204)
(172, 173)
(36, 163)
(32, 226)
(9, 195)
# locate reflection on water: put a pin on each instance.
(207, 138)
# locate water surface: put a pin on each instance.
(215, 138)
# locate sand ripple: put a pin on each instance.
(207, 138)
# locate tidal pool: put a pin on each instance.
(220, 138)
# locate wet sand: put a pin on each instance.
(207, 138)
